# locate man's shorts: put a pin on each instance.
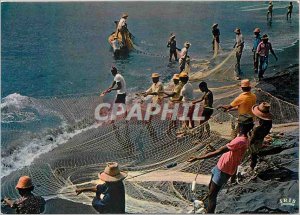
(218, 177)
(121, 98)
(207, 113)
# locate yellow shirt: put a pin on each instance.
(156, 88)
(177, 90)
(244, 102)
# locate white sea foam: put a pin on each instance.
(29, 151)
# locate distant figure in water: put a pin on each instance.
(290, 10)
(28, 203)
(262, 52)
(183, 56)
(110, 192)
(239, 46)
(270, 11)
(122, 27)
(216, 38)
(256, 41)
(173, 49)
(232, 155)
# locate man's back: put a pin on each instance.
(30, 205)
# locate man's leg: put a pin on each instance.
(170, 56)
(175, 55)
(212, 196)
(260, 71)
(255, 63)
(253, 160)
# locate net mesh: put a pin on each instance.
(139, 147)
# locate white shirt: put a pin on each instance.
(121, 23)
(183, 52)
(187, 92)
(119, 78)
(239, 39)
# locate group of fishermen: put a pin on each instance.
(110, 192)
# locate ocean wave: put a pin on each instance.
(15, 100)
(25, 154)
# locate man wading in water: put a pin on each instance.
(173, 48)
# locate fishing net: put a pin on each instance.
(81, 146)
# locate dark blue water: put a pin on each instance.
(61, 48)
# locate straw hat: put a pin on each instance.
(265, 37)
(262, 111)
(183, 75)
(187, 44)
(256, 30)
(24, 182)
(124, 15)
(155, 75)
(172, 35)
(176, 77)
(112, 173)
(214, 25)
(245, 83)
(237, 30)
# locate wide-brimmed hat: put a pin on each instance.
(262, 111)
(256, 30)
(183, 75)
(155, 75)
(237, 30)
(24, 182)
(124, 15)
(265, 37)
(245, 83)
(172, 35)
(214, 25)
(176, 77)
(187, 44)
(112, 173)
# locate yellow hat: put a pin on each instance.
(155, 75)
(176, 77)
(183, 75)
(245, 83)
(124, 15)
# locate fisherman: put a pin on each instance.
(208, 106)
(28, 203)
(157, 92)
(262, 51)
(175, 94)
(186, 96)
(122, 27)
(173, 48)
(232, 155)
(183, 56)
(239, 46)
(121, 86)
(290, 10)
(110, 192)
(256, 41)
(216, 36)
(270, 11)
(262, 113)
(243, 102)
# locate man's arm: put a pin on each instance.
(215, 153)
(81, 190)
(273, 53)
(8, 202)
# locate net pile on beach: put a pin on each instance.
(141, 149)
